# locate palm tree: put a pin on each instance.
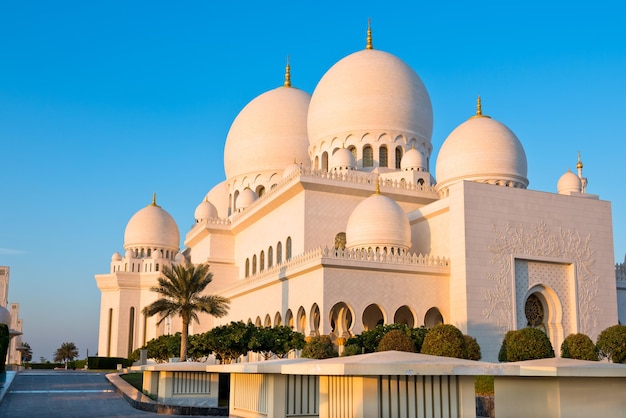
(27, 352)
(181, 288)
(67, 352)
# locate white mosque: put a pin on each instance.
(331, 221)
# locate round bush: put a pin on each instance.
(528, 344)
(473, 349)
(445, 340)
(351, 350)
(579, 347)
(319, 347)
(612, 343)
(396, 340)
(502, 352)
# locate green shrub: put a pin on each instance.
(612, 344)
(351, 350)
(445, 340)
(502, 352)
(528, 344)
(483, 385)
(579, 347)
(106, 363)
(369, 340)
(473, 348)
(396, 340)
(319, 347)
(45, 366)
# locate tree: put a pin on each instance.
(228, 342)
(27, 352)
(181, 288)
(397, 340)
(473, 348)
(580, 347)
(319, 347)
(527, 344)
(67, 352)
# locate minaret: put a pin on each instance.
(583, 180)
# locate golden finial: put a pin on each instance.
(154, 201)
(479, 110)
(579, 165)
(377, 185)
(288, 73)
(369, 35)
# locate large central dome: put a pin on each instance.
(370, 90)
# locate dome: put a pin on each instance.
(342, 159)
(5, 316)
(205, 210)
(268, 133)
(569, 183)
(290, 170)
(116, 257)
(152, 227)
(414, 160)
(246, 198)
(218, 196)
(370, 90)
(378, 221)
(483, 150)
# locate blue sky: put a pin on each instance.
(104, 103)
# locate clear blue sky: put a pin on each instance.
(103, 103)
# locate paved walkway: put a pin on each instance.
(65, 393)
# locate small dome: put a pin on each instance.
(5, 316)
(482, 150)
(370, 90)
(205, 210)
(569, 183)
(380, 222)
(342, 159)
(246, 198)
(268, 133)
(152, 227)
(414, 160)
(291, 169)
(116, 257)
(218, 196)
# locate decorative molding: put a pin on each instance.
(539, 241)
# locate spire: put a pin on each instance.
(369, 44)
(479, 110)
(288, 73)
(377, 185)
(579, 167)
(154, 201)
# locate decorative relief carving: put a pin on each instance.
(539, 240)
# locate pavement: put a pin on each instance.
(72, 393)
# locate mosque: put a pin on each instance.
(331, 221)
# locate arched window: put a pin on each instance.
(317, 163)
(247, 267)
(398, 157)
(149, 252)
(262, 261)
(352, 149)
(368, 156)
(270, 257)
(260, 191)
(288, 255)
(325, 161)
(157, 267)
(279, 253)
(254, 264)
(382, 156)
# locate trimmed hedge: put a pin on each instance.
(445, 340)
(579, 347)
(107, 363)
(611, 343)
(45, 366)
(396, 340)
(319, 347)
(473, 349)
(527, 344)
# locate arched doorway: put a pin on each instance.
(433, 317)
(340, 320)
(315, 319)
(405, 316)
(277, 319)
(289, 319)
(372, 316)
(301, 321)
(543, 310)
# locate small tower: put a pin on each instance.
(579, 167)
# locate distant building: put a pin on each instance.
(331, 221)
(11, 318)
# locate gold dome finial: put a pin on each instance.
(479, 110)
(377, 185)
(369, 35)
(579, 165)
(154, 201)
(288, 73)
